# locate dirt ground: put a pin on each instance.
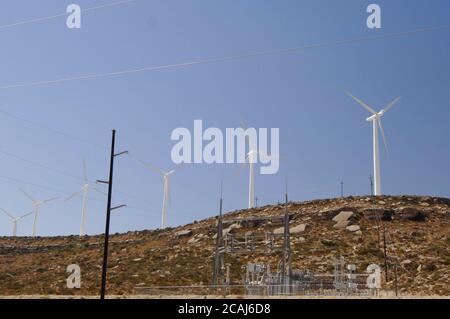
(211, 297)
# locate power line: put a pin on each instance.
(60, 172)
(56, 190)
(223, 59)
(64, 134)
(16, 180)
(39, 165)
(107, 5)
(52, 130)
(131, 155)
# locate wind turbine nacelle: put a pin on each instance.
(372, 118)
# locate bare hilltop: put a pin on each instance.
(417, 243)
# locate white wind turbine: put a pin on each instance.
(14, 220)
(166, 190)
(375, 118)
(36, 206)
(251, 160)
(166, 196)
(84, 193)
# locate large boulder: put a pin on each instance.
(411, 213)
(299, 229)
(293, 230)
(341, 225)
(279, 231)
(183, 233)
(353, 228)
(193, 240)
(229, 230)
(327, 213)
(253, 222)
(343, 216)
(378, 214)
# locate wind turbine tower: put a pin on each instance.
(166, 190)
(14, 220)
(251, 158)
(84, 193)
(375, 118)
(36, 207)
(166, 196)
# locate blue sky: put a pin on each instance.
(324, 135)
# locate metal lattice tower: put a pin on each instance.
(218, 271)
(339, 275)
(286, 261)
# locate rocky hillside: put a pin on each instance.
(418, 239)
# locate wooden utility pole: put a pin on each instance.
(342, 189)
(108, 214)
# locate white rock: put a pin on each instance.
(234, 226)
(279, 231)
(193, 240)
(294, 230)
(228, 230)
(353, 228)
(298, 229)
(406, 262)
(342, 216)
(183, 233)
(341, 225)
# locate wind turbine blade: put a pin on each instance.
(85, 172)
(72, 196)
(383, 135)
(9, 215)
(391, 105)
(153, 168)
(50, 200)
(367, 107)
(170, 173)
(98, 191)
(26, 215)
(27, 195)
